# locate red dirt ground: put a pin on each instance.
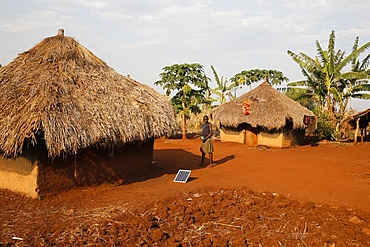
(301, 196)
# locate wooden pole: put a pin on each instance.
(357, 128)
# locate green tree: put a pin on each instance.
(325, 81)
(222, 91)
(353, 87)
(190, 85)
(300, 95)
(247, 77)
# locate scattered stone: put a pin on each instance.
(366, 231)
(355, 220)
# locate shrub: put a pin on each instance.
(325, 127)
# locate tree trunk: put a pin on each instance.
(357, 129)
(183, 118)
(328, 105)
(183, 126)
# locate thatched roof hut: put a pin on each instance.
(62, 89)
(362, 117)
(269, 111)
(67, 118)
(358, 122)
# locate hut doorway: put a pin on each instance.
(250, 135)
(244, 134)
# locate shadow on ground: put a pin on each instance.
(170, 161)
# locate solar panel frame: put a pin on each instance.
(182, 176)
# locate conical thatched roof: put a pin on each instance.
(61, 89)
(269, 109)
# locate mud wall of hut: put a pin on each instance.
(232, 136)
(258, 136)
(281, 139)
(243, 134)
(272, 140)
(19, 175)
(37, 175)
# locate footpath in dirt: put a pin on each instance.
(301, 196)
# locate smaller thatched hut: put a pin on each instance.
(358, 122)
(265, 117)
(68, 119)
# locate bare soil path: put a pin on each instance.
(301, 196)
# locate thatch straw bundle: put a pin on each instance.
(61, 89)
(269, 109)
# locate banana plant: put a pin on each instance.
(222, 91)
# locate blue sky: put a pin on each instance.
(141, 37)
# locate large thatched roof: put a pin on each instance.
(269, 109)
(61, 89)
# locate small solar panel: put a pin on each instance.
(182, 176)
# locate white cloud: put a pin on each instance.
(140, 37)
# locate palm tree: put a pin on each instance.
(353, 88)
(325, 81)
(222, 91)
(190, 85)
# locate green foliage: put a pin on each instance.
(326, 129)
(302, 96)
(189, 84)
(356, 86)
(222, 91)
(325, 80)
(247, 77)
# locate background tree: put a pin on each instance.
(326, 83)
(300, 95)
(222, 91)
(353, 87)
(247, 77)
(190, 85)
